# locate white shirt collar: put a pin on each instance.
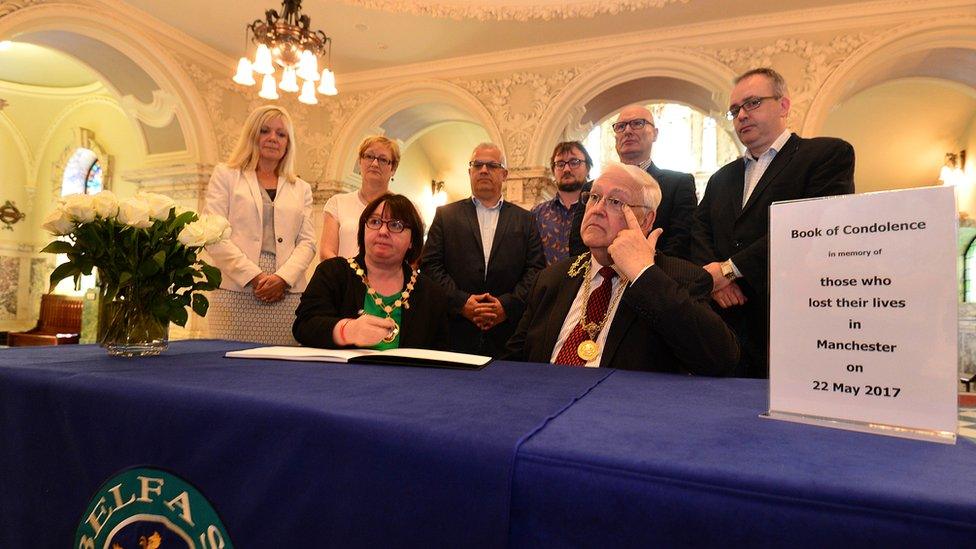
(773, 149)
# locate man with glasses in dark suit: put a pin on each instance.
(730, 237)
(635, 134)
(485, 252)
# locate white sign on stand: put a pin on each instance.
(863, 312)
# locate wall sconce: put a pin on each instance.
(951, 173)
(437, 193)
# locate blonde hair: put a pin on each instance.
(246, 154)
(374, 139)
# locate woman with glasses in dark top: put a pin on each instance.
(376, 299)
(378, 160)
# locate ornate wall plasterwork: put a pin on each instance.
(10, 6)
(9, 277)
(513, 10)
(157, 114)
(804, 64)
(517, 102)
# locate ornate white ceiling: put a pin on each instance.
(377, 34)
(512, 10)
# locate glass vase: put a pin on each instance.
(126, 327)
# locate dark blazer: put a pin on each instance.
(674, 213)
(724, 228)
(454, 257)
(336, 292)
(663, 322)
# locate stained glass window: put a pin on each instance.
(82, 173)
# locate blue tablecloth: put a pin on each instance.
(318, 454)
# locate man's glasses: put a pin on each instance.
(750, 104)
(635, 124)
(614, 205)
(478, 164)
(393, 225)
(382, 161)
(572, 163)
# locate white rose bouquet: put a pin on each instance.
(145, 249)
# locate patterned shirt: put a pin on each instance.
(555, 221)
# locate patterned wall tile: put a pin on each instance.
(9, 278)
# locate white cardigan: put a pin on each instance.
(236, 195)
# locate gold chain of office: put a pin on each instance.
(404, 300)
(589, 349)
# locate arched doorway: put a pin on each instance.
(436, 124)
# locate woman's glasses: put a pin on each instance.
(392, 225)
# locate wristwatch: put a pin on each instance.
(728, 271)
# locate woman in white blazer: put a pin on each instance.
(272, 241)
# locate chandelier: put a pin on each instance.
(286, 42)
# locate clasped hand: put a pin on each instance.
(269, 288)
(725, 292)
(484, 310)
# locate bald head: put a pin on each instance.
(634, 144)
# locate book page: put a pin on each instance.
(438, 356)
(300, 353)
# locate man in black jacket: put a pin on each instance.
(730, 237)
(635, 135)
(485, 253)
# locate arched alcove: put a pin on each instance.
(436, 125)
(665, 74)
(404, 112)
(897, 147)
(148, 82)
(934, 49)
(915, 86)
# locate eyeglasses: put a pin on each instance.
(572, 163)
(635, 124)
(750, 104)
(478, 164)
(611, 204)
(382, 161)
(393, 225)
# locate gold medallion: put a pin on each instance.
(588, 350)
(394, 332)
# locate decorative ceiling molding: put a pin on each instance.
(157, 114)
(818, 60)
(512, 10)
(517, 103)
(53, 91)
(715, 33)
(11, 6)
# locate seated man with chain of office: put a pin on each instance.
(622, 304)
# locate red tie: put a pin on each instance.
(596, 307)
